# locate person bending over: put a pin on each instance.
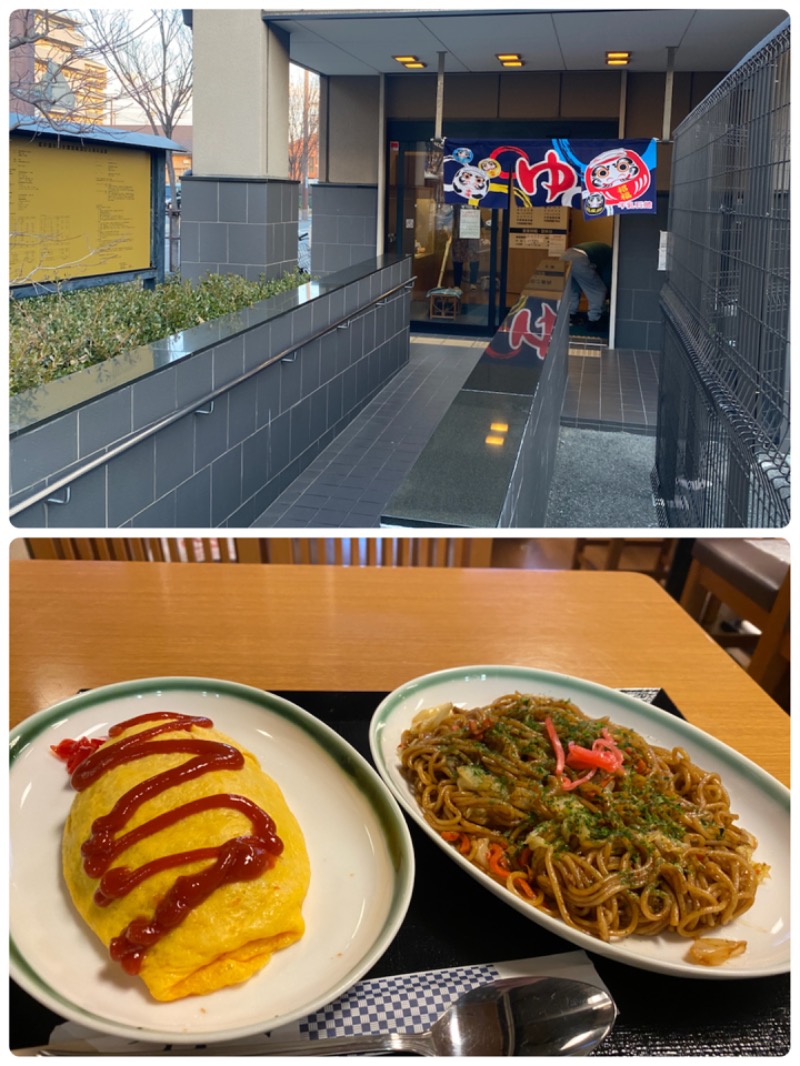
(591, 275)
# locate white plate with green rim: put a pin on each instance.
(761, 802)
(362, 866)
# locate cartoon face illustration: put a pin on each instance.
(620, 173)
(612, 169)
(490, 167)
(594, 204)
(471, 183)
(463, 155)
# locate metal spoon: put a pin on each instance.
(514, 1016)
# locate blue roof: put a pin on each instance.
(105, 134)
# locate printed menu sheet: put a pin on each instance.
(77, 210)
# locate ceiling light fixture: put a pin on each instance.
(618, 59)
(510, 59)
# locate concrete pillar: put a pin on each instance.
(239, 208)
(345, 203)
(240, 110)
(353, 135)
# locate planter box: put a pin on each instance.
(214, 464)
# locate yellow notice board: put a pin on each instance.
(77, 210)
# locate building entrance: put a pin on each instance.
(469, 263)
(457, 252)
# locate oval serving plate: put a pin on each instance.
(761, 802)
(362, 867)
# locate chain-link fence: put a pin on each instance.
(722, 450)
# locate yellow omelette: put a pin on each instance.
(228, 936)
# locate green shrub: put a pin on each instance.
(50, 336)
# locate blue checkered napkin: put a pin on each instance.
(409, 1004)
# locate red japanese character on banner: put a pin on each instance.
(563, 179)
(521, 331)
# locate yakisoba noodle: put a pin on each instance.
(584, 819)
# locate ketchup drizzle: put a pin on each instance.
(241, 858)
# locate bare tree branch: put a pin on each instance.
(151, 60)
(150, 56)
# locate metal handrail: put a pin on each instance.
(131, 441)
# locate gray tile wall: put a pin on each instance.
(343, 225)
(640, 323)
(225, 466)
(238, 226)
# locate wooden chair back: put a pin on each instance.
(755, 586)
(369, 551)
(134, 549)
(331, 551)
(647, 555)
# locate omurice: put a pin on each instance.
(181, 854)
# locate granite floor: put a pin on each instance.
(612, 390)
(349, 484)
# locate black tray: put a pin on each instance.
(455, 922)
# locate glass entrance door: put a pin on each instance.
(458, 252)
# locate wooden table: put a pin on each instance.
(338, 638)
(76, 625)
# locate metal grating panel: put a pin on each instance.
(722, 453)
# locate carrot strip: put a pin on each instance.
(452, 837)
(524, 886)
(496, 861)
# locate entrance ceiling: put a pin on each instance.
(341, 43)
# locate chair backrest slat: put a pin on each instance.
(378, 550)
